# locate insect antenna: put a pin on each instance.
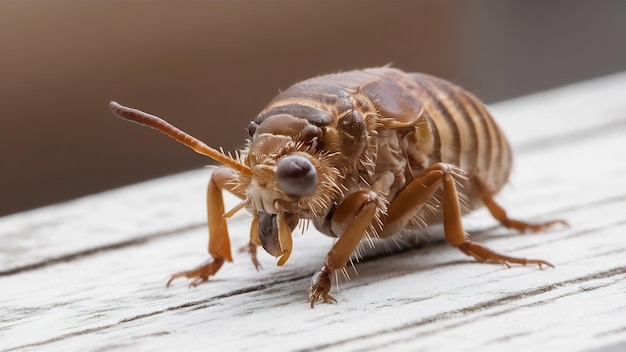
(161, 125)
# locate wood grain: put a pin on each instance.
(90, 274)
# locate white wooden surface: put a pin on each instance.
(90, 274)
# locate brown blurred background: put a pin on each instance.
(210, 66)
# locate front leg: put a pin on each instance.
(351, 220)
(251, 247)
(219, 241)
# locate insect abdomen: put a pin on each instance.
(468, 136)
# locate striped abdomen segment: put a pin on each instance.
(465, 132)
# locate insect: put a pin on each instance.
(360, 154)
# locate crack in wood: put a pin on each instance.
(615, 331)
(100, 249)
(614, 347)
(471, 309)
(590, 133)
(618, 198)
(194, 305)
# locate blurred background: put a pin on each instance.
(210, 66)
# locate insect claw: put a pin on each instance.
(542, 262)
(323, 297)
(257, 265)
(170, 280)
(200, 273)
(197, 281)
(320, 285)
(251, 249)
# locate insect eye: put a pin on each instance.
(296, 175)
(252, 128)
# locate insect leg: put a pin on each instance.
(351, 219)
(254, 243)
(500, 214)
(412, 197)
(219, 242)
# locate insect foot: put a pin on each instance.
(486, 255)
(524, 227)
(320, 286)
(200, 273)
(500, 214)
(251, 248)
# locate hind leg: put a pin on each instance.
(410, 200)
(500, 214)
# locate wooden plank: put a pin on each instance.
(141, 211)
(90, 274)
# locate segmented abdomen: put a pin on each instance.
(466, 133)
(462, 130)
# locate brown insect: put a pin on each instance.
(361, 154)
